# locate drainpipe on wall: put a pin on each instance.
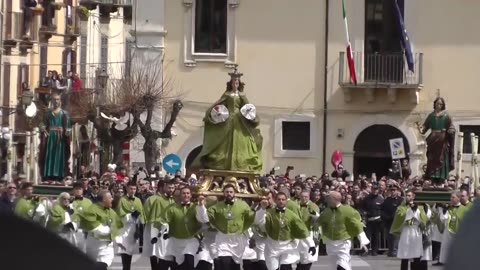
(325, 85)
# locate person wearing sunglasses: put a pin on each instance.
(9, 196)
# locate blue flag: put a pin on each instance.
(407, 47)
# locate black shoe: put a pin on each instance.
(373, 253)
(437, 264)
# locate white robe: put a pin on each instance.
(178, 248)
(338, 251)
(305, 256)
(70, 236)
(410, 244)
(227, 245)
(427, 252)
(126, 236)
(281, 252)
(100, 250)
(447, 237)
(209, 250)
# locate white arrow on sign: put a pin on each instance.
(171, 163)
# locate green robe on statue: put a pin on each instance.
(56, 148)
(440, 145)
(233, 145)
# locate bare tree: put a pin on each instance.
(144, 90)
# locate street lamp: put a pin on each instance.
(27, 98)
(102, 77)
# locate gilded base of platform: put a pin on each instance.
(246, 184)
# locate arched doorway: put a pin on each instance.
(372, 150)
(190, 158)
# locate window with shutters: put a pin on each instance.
(295, 136)
(128, 56)
(68, 61)
(210, 28)
(467, 139)
(43, 61)
(104, 53)
(83, 56)
(22, 79)
(6, 91)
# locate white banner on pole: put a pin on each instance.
(397, 148)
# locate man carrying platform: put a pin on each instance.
(232, 218)
(448, 220)
(183, 229)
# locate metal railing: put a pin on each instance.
(105, 2)
(381, 70)
(122, 3)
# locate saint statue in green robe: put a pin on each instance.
(56, 129)
(440, 142)
(231, 138)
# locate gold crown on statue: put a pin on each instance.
(235, 74)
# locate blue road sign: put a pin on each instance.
(172, 163)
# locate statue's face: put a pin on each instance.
(235, 84)
(56, 102)
(439, 105)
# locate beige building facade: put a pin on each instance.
(292, 57)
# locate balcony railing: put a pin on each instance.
(105, 2)
(122, 3)
(381, 70)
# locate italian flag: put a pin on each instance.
(351, 64)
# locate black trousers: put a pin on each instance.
(436, 247)
(255, 265)
(126, 261)
(154, 262)
(204, 265)
(225, 262)
(188, 263)
(416, 264)
(373, 230)
(304, 266)
(166, 265)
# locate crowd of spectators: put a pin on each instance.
(65, 85)
(375, 199)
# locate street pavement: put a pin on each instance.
(358, 263)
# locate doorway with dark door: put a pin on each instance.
(372, 150)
